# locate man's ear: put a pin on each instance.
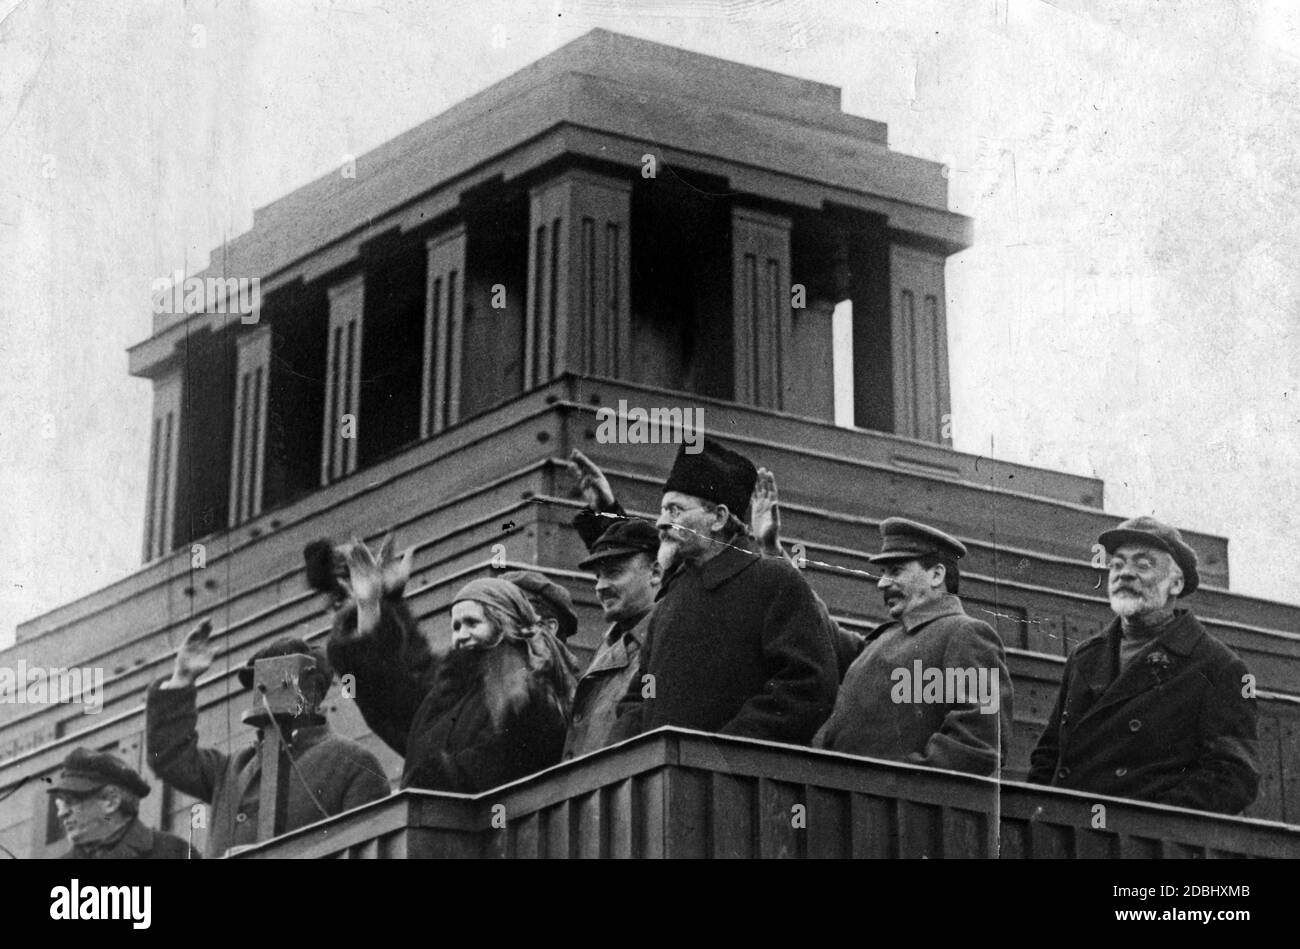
(942, 577)
(721, 513)
(111, 798)
(1176, 585)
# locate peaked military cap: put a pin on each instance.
(901, 539)
(85, 771)
(1148, 532)
(633, 535)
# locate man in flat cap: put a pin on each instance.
(1154, 707)
(736, 644)
(97, 797)
(552, 602)
(627, 573)
(331, 774)
(931, 686)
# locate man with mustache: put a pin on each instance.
(883, 711)
(737, 643)
(1154, 707)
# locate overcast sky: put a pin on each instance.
(1130, 311)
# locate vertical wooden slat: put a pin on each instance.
(874, 827)
(830, 817)
(525, 836)
(920, 830)
(589, 826)
(687, 817)
(777, 835)
(558, 843)
(650, 815)
(760, 302)
(732, 816)
(618, 814)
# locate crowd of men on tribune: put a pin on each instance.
(710, 626)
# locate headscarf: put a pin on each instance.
(545, 656)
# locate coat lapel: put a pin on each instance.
(1141, 675)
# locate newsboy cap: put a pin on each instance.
(901, 539)
(561, 603)
(287, 647)
(715, 474)
(85, 771)
(633, 535)
(1148, 532)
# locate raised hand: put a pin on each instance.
(591, 481)
(365, 585)
(765, 515)
(195, 657)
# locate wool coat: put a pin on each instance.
(1176, 727)
(737, 645)
(930, 688)
(435, 711)
(338, 772)
(137, 843)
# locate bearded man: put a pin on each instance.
(1153, 708)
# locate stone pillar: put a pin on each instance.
(760, 280)
(248, 444)
(919, 333)
(342, 379)
(579, 281)
(164, 451)
(444, 327)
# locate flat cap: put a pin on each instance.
(901, 539)
(1148, 532)
(286, 647)
(561, 603)
(85, 771)
(633, 535)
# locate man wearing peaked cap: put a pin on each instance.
(97, 798)
(627, 573)
(931, 686)
(331, 774)
(1153, 707)
(736, 643)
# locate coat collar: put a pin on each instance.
(1180, 638)
(733, 559)
(617, 653)
(135, 839)
(946, 605)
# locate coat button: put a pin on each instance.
(1120, 772)
(1134, 725)
(1063, 773)
(241, 817)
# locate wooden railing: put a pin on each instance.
(676, 793)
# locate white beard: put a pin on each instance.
(1125, 605)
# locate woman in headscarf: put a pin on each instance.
(492, 710)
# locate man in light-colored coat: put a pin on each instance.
(931, 686)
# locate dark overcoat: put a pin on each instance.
(885, 710)
(739, 646)
(1177, 727)
(338, 772)
(433, 710)
(138, 843)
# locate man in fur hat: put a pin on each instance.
(331, 774)
(1153, 707)
(737, 643)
